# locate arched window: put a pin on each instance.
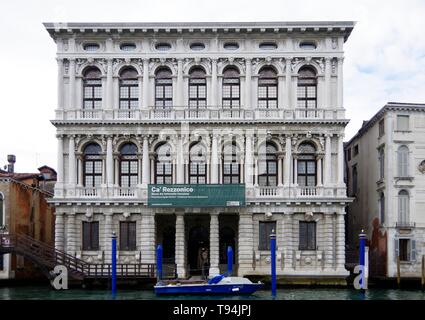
(92, 88)
(163, 165)
(129, 89)
(307, 89)
(129, 166)
(231, 88)
(231, 165)
(267, 88)
(198, 164)
(197, 88)
(306, 165)
(403, 207)
(382, 207)
(267, 165)
(403, 161)
(92, 165)
(2, 218)
(163, 88)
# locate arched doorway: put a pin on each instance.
(198, 239)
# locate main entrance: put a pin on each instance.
(198, 249)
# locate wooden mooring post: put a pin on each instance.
(398, 271)
(423, 272)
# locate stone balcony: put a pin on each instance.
(209, 113)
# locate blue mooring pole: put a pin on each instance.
(362, 250)
(159, 263)
(273, 261)
(114, 265)
(229, 260)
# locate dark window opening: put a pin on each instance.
(128, 235)
(307, 236)
(266, 229)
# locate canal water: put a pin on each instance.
(46, 293)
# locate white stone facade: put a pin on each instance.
(388, 154)
(248, 48)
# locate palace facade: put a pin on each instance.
(257, 105)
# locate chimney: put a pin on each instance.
(11, 158)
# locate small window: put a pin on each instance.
(402, 123)
(356, 150)
(307, 235)
(349, 154)
(90, 235)
(128, 46)
(268, 46)
(308, 45)
(405, 249)
(231, 46)
(197, 46)
(266, 229)
(381, 128)
(91, 47)
(163, 46)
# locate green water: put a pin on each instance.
(46, 293)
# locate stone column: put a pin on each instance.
(319, 170)
(140, 92)
(287, 239)
(327, 83)
(288, 159)
(245, 243)
(248, 83)
(180, 161)
(71, 234)
(59, 231)
(145, 163)
(328, 160)
(214, 83)
(107, 240)
(340, 93)
(109, 87)
(340, 242)
(180, 246)
(295, 157)
(288, 81)
(71, 95)
(147, 237)
(71, 161)
(281, 92)
(214, 245)
(60, 84)
(109, 162)
(214, 159)
(60, 180)
(279, 170)
(179, 96)
(80, 170)
(248, 160)
(145, 97)
(328, 240)
(341, 159)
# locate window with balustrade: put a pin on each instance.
(93, 165)
(129, 89)
(267, 165)
(128, 236)
(163, 164)
(231, 164)
(129, 165)
(267, 88)
(92, 88)
(306, 165)
(403, 161)
(163, 88)
(90, 235)
(198, 164)
(231, 88)
(197, 88)
(307, 90)
(403, 207)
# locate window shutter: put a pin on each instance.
(413, 250)
(397, 248)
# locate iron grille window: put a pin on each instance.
(306, 166)
(307, 89)
(163, 165)
(231, 88)
(231, 166)
(163, 89)
(197, 164)
(307, 235)
(90, 235)
(128, 235)
(197, 89)
(92, 89)
(92, 166)
(267, 89)
(267, 166)
(129, 165)
(265, 230)
(129, 89)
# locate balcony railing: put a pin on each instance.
(208, 113)
(405, 224)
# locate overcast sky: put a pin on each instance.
(385, 55)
